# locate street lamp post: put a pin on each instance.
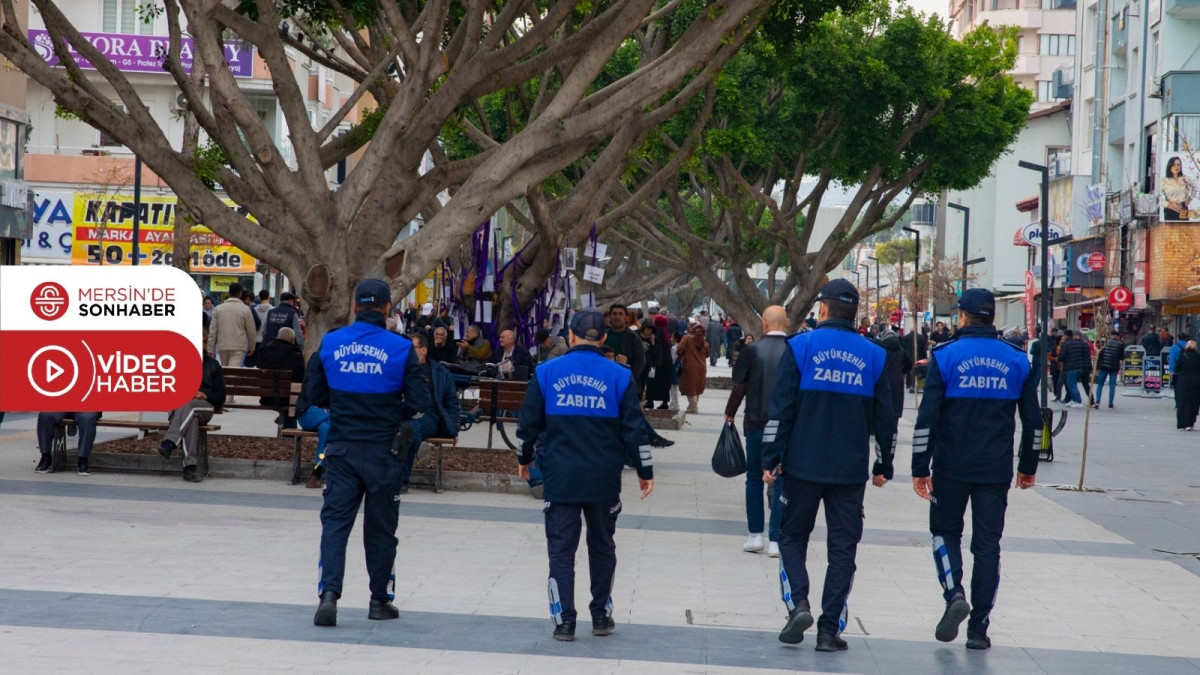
(868, 268)
(1044, 335)
(966, 211)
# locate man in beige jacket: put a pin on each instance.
(231, 334)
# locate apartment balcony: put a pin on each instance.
(1027, 64)
(1116, 124)
(1181, 92)
(1022, 18)
(1183, 9)
(1063, 82)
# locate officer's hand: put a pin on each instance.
(878, 481)
(647, 486)
(923, 486)
(1025, 480)
(523, 471)
(769, 477)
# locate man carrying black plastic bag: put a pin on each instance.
(830, 397)
(729, 459)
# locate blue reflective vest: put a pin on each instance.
(973, 386)
(369, 378)
(830, 397)
(587, 408)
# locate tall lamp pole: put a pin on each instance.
(868, 268)
(966, 211)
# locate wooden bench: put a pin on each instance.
(257, 383)
(437, 443)
(500, 401)
(58, 450)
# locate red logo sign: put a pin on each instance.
(49, 301)
(1096, 261)
(76, 370)
(1120, 298)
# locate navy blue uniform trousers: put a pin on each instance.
(988, 504)
(354, 472)
(563, 528)
(844, 523)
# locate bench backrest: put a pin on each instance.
(499, 398)
(258, 383)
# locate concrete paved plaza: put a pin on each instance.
(146, 574)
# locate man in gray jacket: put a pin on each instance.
(231, 336)
(753, 378)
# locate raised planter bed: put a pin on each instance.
(721, 382)
(666, 419)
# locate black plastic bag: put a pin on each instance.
(729, 459)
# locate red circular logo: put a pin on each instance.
(49, 301)
(1096, 261)
(1120, 298)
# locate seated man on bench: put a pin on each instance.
(185, 422)
(443, 423)
(47, 425)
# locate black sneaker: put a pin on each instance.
(660, 442)
(956, 611)
(1110, 406)
(799, 620)
(326, 611)
(828, 642)
(978, 640)
(603, 625)
(44, 464)
(381, 610)
(82, 467)
(565, 631)
(191, 475)
(165, 448)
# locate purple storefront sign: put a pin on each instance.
(142, 53)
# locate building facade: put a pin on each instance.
(15, 199)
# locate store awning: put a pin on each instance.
(1184, 304)
(1060, 311)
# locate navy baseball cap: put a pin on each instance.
(285, 296)
(588, 324)
(372, 292)
(839, 290)
(977, 301)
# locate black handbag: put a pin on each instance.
(729, 459)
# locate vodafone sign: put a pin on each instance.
(108, 339)
(1120, 298)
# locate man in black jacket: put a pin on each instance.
(443, 422)
(284, 314)
(973, 386)
(753, 379)
(830, 397)
(185, 422)
(586, 407)
(282, 354)
(1108, 368)
(1075, 357)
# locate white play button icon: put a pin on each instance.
(52, 371)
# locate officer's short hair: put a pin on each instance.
(840, 310)
(235, 290)
(419, 340)
(980, 319)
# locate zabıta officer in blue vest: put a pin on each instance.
(973, 386)
(587, 408)
(372, 383)
(830, 397)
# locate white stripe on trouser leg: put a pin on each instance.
(392, 583)
(608, 606)
(845, 615)
(772, 424)
(785, 589)
(941, 558)
(555, 602)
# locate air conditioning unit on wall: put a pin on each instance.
(180, 103)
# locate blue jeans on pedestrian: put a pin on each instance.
(754, 489)
(1073, 385)
(316, 419)
(1101, 376)
(424, 427)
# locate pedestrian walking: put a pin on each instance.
(1056, 371)
(1108, 368)
(897, 366)
(1074, 356)
(693, 352)
(830, 397)
(372, 383)
(734, 341)
(583, 410)
(660, 382)
(1187, 388)
(1173, 354)
(714, 331)
(974, 385)
(753, 379)
(231, 335)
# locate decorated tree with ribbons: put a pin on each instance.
(882, 104)
(419, 65)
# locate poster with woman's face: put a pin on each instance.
(1179, 187)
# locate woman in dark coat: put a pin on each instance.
(658, 388)
(693, 352)
(1187, 387)
(897, 365)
